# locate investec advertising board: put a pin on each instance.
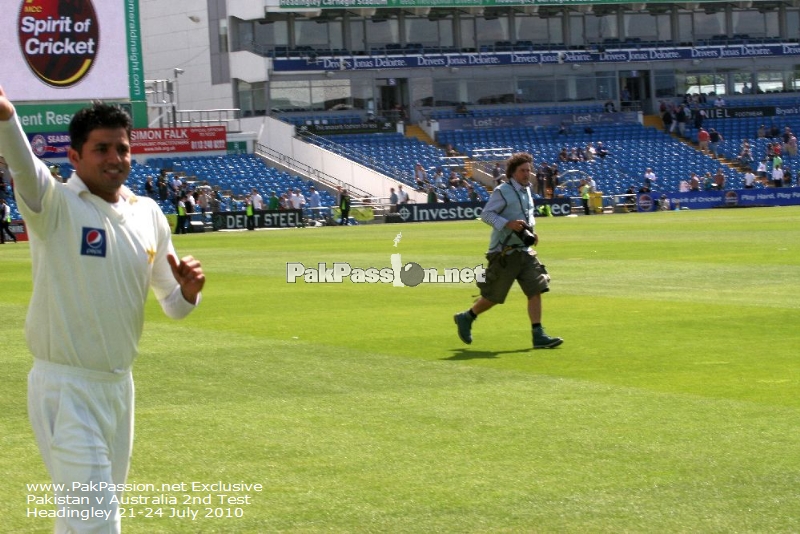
(75, 51)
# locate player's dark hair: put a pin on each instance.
(515, 161)
(98, 115)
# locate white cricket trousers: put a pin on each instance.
(83, 422)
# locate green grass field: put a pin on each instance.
(672, 406)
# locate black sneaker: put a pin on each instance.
(464, 322)
(542, 341)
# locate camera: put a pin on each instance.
(526, 235)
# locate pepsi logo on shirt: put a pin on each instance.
(93, 242)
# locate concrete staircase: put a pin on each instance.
(412, 130)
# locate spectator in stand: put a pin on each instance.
(297, 199)
(454, 179)
(681, 118)
(163, 187)
(774, 131)
(149, 187)
(649, 178)
(777, 176)
(749, 179)
(574, 155)
(602, 151)
(392, 200)
(203, 200)
(663, 203)
(314, 202)
(719, 102)
(177, 185)
(496, 172)
(719, 180)
(702, 140)
(762, 170)
(432, 199)
(420, 177)
(694, 182)
(714, 138)
(666, 118)
(791, 147)
(708, 182)
(787, 133)
(762, 132)
(256, 199)
(745, 153)
(787, 177)
(698, 115)
(439, 180)
(274, 203)
(540, 183)
(589, 152)
(552, 178)
(402, 196)
(777, 160)
(563, 155)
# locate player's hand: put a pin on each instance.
(6, 107)
(189, 274)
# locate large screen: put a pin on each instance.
(56, 50)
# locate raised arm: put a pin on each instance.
(29, 173)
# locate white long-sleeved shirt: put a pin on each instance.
(93, 264)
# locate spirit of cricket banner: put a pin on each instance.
(733, 198)
(59, 50)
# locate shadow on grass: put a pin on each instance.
(469, 354)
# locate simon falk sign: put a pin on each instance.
(70, 51)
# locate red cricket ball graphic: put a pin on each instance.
(59, 39)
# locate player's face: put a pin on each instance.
(523, 174)
(104, 162)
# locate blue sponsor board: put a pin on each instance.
(478, 59)
(779, 196)
(462, 211)
(49, 145)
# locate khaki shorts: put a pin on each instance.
(503, 270)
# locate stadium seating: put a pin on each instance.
(396, 156)
(632, 149)
(236, 175)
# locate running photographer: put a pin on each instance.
(510, 212)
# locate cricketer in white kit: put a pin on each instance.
(96, 250)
